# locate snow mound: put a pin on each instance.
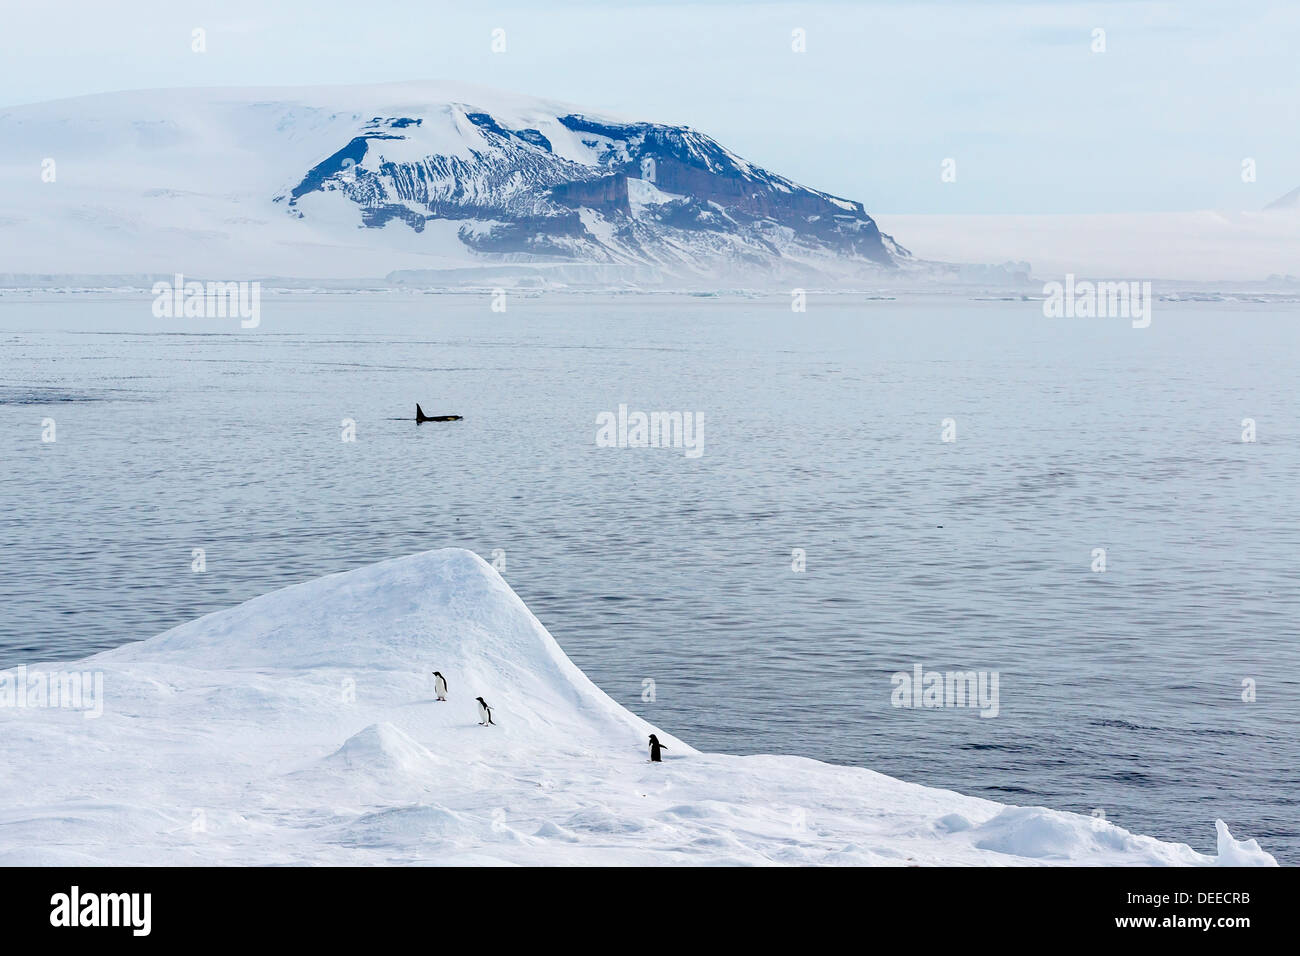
(302, 728)
(409, 826)
(383, 750)
(397, 622)
(1038, 833)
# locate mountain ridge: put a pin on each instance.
(416, 176)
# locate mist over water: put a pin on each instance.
(1119, 691)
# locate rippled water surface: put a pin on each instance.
(1119, 690)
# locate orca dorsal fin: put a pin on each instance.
(419, 413)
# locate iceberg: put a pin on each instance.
(302, 728)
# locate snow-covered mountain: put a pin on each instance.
(302, 728)
(364, 181)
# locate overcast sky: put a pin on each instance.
(886, 91)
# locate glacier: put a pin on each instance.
(301, 728)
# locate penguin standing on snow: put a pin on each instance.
(484, 713)
(655, 747)
(440, 685)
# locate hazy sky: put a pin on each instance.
(886, 91)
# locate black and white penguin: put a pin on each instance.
(484, 713)
(440, 685)
(655, 747)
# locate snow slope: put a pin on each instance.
(300, 727)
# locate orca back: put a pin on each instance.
(421, 417)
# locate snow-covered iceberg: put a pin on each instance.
(301, 727)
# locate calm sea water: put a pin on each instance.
(1119, 690)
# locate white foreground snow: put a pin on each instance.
(300, 727)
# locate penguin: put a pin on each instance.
(440, 685)
(655, 747)
(484, 713)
